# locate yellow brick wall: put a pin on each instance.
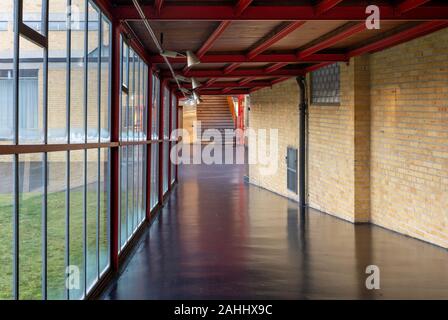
(331, 152)
(382, 155)
(409, 170)
(276, 108)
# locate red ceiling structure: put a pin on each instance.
(245, 45)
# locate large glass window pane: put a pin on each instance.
(57, 75)
(104, 221)
(154, 174)
(6, 226)
(105, 80)
(32, 14)
(76, 224)
(155, 107)
(56, 224)
(130, 190)
(132, 59)
(92, 216)
(93, 75)
(166, 113)
(166, 163)
(31, 180)
(6, 74)
(31, 86)
(77, 126)
(123, 194)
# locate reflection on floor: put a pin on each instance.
(219, 238)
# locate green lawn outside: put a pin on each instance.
(30, 243)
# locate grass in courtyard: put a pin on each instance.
(30, 243)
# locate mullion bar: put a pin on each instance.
(67, 110)
(100, 43)
(86, 66)
(17, 18)
(45, 16)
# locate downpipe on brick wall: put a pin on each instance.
(303, 152)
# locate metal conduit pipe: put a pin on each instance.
(303, 149)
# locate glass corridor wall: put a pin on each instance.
(55, 100)
(60, 169)
(133, 137)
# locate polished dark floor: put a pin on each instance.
(219, 238)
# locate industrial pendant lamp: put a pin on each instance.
(192, 59)
(195, 83)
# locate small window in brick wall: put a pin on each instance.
(325, 84)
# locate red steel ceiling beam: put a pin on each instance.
(275, 67)
(326, 5)
(241, 6)
(231, 67)
(158, 6)
(269, 42)
(230, 84)
(409, 5)
(326, 43)
(177, 12)
(255, 73)
(276, 37)
(422, 29)
(212, 38)
(220, 93)
(263, 58)
(209, 83)
(245, 81)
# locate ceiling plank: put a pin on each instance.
(212, 38)
(422, 29)
(332, 40)
(276, 36)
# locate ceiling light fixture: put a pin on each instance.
(195, 83)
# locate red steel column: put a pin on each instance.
(170, 144)
(163, 83)
(148, 146)
(115, 155)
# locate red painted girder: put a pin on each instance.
(231, 67)
(326, 5)
(158, 5)
(278, 13)
(225, 90)
(275, 67)
(245, 81)
(220, 93)
(332, 40)
(409, 5)
(286, 30)
(256, 73)
(241, 6)
(262, 58)
(209, 83)
(316, 66)
(230, 84)
(212, 39)
(403, 36)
